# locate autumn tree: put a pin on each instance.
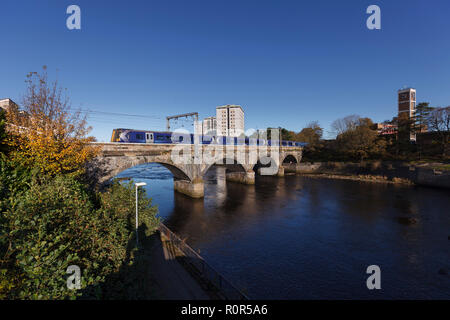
(360, 141)
(47, 133)
(311, 134)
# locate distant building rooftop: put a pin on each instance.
(406, 89)
(6, 103)
(230, 106)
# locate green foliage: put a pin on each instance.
(421, 116)
(50, 220)
(54, 224)
(3, 135)
(120, 198)
(287, 134)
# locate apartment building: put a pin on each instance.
(230, 120)
(209, 126)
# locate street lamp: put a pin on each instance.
(138, 184)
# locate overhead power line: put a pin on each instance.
(121, 114)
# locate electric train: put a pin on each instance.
(166, 137)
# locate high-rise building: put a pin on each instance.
(230, 120)
(407, 107)
(209, 126)
(407, 102)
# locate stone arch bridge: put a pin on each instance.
(189, 163)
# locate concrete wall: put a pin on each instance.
(433, 178)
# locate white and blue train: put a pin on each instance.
(166, 137)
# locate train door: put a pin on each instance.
(149, 137)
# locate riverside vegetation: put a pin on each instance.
(51, 216)
(357, 139)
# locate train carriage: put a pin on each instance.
(166, 137)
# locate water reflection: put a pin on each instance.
(307, 238)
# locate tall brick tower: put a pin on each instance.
(407, 106)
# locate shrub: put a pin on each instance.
(54, 224)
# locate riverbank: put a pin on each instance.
(426, 174)
(363, 178)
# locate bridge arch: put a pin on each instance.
(118, 164)
(230, 163)
(290, 159)
(235, 171)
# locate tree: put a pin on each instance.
(421, 117)
(311, 134)
(405, 130)
(439, 121)
(3, 134)
(285, 134)
(359, 141)
(48, 134)
(344, 124)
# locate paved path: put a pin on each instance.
(172, 280)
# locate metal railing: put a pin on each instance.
(215, 281)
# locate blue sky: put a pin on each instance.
(285, 62)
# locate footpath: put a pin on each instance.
(173, 281)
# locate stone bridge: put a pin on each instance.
(189, 163)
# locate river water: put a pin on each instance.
(311, 238)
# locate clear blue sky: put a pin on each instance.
(287, 63)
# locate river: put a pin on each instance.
(312, 238)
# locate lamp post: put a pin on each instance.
(138, 184)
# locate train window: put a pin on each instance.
(139, 136)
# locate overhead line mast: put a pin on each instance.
(184, 115)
